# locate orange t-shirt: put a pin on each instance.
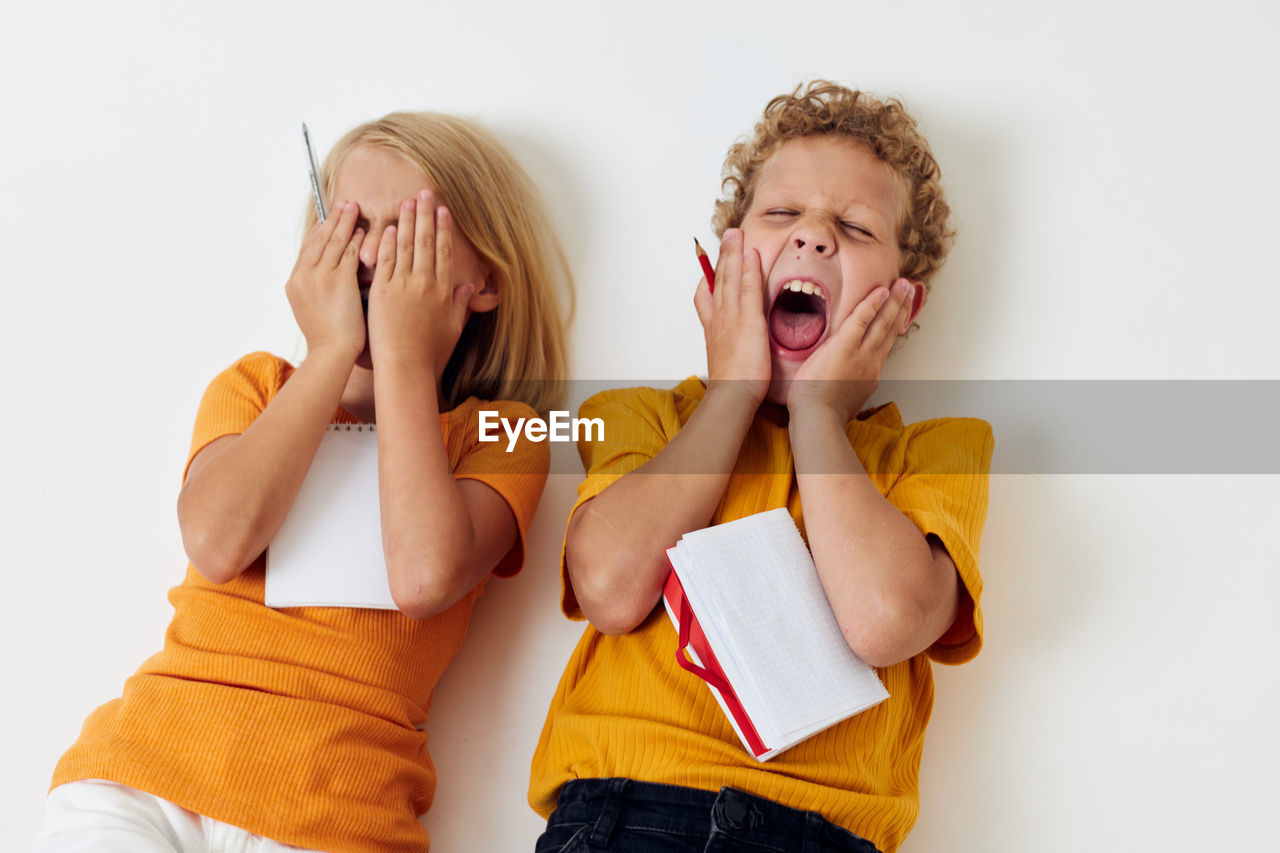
(299, 724)
(625, 708)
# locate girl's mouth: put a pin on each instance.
(798, 317)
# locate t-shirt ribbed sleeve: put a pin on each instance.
(235, 398)
(944, 492)
(638, 423)
(518, 476)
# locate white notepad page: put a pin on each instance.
(757, 595)
(328, 552)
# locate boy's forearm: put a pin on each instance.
(893, 592)
(234, 501)
(616, 543)
(428, 537)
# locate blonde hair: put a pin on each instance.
(516, 351)
(886, 130)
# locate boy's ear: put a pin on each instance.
(917, 304)
(485, 297)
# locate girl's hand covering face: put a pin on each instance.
(415, 312)
(322, 289)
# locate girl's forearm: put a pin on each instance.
(239, 488)
(428, 533)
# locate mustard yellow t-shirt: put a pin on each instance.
(300, 724)
(625, 708)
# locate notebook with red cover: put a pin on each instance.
(755, 625)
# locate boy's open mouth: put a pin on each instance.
(798, 316)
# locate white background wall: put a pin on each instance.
(1113, 172)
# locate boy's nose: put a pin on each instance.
(822, 248)
(814, 243)
(813, 236)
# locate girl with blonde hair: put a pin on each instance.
(428, 293)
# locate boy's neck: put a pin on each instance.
(775, 413)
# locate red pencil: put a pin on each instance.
(706, 265)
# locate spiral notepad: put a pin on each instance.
(751, 614)
(328, 552)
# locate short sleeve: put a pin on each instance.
(518, 475)
(637, 424)
(235, 398)
(943, 491)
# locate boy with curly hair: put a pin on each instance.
(832, 224)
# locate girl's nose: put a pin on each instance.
(369, 247)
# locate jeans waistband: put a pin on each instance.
(730, 811)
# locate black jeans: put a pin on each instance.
(639, 817)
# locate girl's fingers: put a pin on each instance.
(424, 236)
(337, 237)
(444, 247)
(351, 254)
(405, 234)
(313, 244)
(386, 255)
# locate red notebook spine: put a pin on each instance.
(691, 636)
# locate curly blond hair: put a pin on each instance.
(823, 108)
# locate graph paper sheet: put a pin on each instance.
(753, 587)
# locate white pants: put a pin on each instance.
(94, 816)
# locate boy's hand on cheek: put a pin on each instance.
(414, 311)
(734, 324)
(843, 372)
(322, 288)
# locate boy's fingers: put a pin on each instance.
(703, 304)
(752, 281)
(890, 316)
(867, 310)
(424, 236)
(728, 270)
(444, 247)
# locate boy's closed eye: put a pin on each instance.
(783, 214)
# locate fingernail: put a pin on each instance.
(409, 204)
(425, 195)
(442, 213)
(730, 236)
(882, 298)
